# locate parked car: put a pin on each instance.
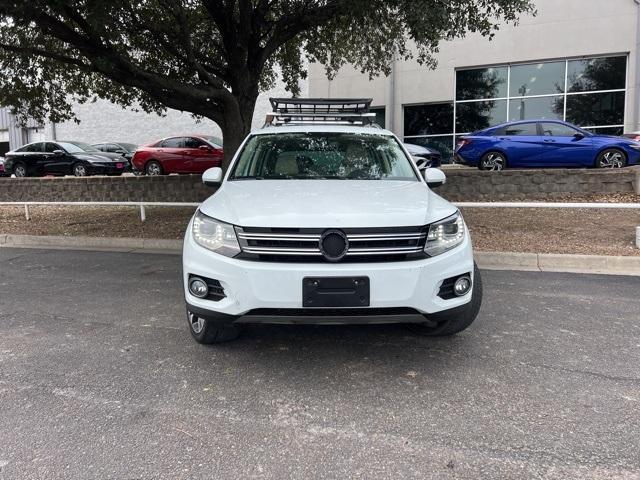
(121, 148)
(60, 158)
(544, 143)
(635, 136)
(3, 173)
(326, 223)
(425, 157)
(184, 154)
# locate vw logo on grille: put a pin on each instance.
(334, 245)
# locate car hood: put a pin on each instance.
(325, 203)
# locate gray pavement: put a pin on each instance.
(99, 378)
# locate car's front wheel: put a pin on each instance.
(452, 321)
(80, 170)
(611, 158)
(153, 168)
(20, 170)
(207, 332)
(494, 161)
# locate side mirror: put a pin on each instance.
(434, 177)
(421, 163)
(204, 147)
(58, 152)
(212, 177)
(578, 136)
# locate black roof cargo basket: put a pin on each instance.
(320, 111)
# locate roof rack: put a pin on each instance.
(320, 111)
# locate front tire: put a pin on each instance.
(207, 332)
(153, 168)
(450, 322)
(493, 161)
(80, 170)
(20, 170)
(611, 158)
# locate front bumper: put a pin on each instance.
(398, 290)
(107, 168)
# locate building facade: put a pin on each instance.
(576, 60)
(103, 121)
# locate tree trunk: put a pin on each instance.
(237, 126)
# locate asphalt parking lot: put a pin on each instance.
(100, 379)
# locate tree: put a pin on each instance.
(212, 57)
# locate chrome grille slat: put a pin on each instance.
(400, 243)
(278, 236)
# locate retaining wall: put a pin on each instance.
(462, 185)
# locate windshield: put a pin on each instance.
(130, 147)
(341, 156)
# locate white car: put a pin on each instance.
(322, 222)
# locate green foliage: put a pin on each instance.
(212, 57)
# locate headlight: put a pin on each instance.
(444, 235)
(215, 235)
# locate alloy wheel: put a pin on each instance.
(612, 159)
(493, 162)
(20, 171)
(197, 323)
(80, 171)
(153, 169)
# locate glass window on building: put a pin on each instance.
(430, 125)
(536, 107)
(474, 116)
(589, 93)
(428, 119)
(481, 83)
(380, 116)
(596, 74)
(537, 79)
(596, 109)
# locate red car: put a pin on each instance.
(186, 154)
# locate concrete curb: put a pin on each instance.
(113, 244)
(542, 262)
(555, 262)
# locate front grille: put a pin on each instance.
(303, 244)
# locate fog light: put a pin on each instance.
(198, 287)
(462, 286)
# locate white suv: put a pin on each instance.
(324, 219)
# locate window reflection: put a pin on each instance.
(481, 83)
(596, 74)
(596, 109)
(472, 116)
(428, 119)
(539, 107)
(537, 79)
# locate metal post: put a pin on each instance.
(26, 212)
(143, 213)
(638, 237)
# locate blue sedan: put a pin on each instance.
(544, 143)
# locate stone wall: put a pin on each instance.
(538, 184)
(462, 185)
